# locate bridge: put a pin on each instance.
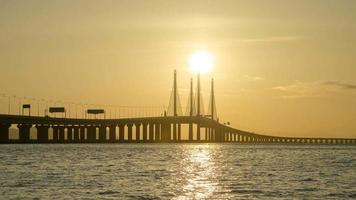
(167, 128)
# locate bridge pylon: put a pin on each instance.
(212, 105)
(174, 106)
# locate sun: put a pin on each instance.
(201, 62)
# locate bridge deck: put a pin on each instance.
(148, 129)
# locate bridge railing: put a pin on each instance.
(27, 106)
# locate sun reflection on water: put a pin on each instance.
(198, 169)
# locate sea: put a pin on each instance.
(177, 171)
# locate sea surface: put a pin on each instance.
(177, 171)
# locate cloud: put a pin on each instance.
(315, 89)
(341, 85)
(300, 90)
(253, 78)
(272, 39)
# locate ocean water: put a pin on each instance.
(177, 171)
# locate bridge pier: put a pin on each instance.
(198, 132)
(206, 134)
(4, 133)
(179, 132)
(61, 134)
(138, 131)
(121, 132)
(219, 136)
(76, 134)
(129, 132)
(158, 135)
(91, 134)
(190, 132)
(151, 132)
(82, 133)
(42, 133)
(69, 133)
(166, 132)
(144, 131)
(174, 136)
(24, 132)
(212, 134)
(112, 133)
(55, 131)
(102, 133)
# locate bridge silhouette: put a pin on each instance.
(164, 128)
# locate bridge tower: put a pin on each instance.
(212, 105)
(175, 94)
(191, 110)
(174, 109)
(199, 105)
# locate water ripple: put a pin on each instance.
(179, 171)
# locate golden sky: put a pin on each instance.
(281, 67)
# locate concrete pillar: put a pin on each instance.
(129, 132)
(190, 132)
(42, 133)
(144, 131)
(138, 132)
(61, 134)
(102, 133)
(157, 132)
(4, 133)
(76, 133)
(207, 131)
(82, 133)
(212, 134)
(69, 133)
(175, 136)
(179, 132)
(112, 134)
(91, 134)
(206, 134)
(55, 133)
(217, 135)
(198, 132)
(121, 132)
(151, 133)
(24, 132)
(165, 132)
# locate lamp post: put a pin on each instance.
(9, 108)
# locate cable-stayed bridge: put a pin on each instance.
(147, 125)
